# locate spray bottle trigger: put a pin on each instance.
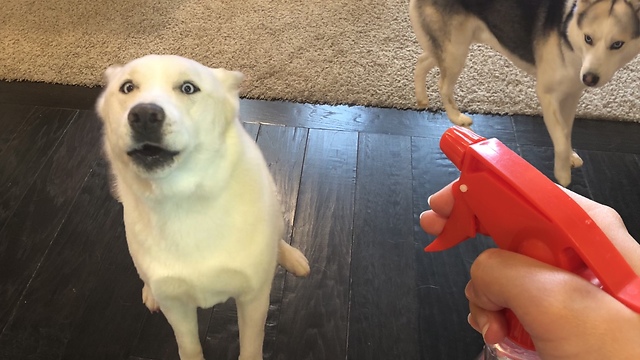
(461, 225)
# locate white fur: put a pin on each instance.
(558, 70)
(208, 226)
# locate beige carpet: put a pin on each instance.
(319, 51)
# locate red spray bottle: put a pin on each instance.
(500, 195)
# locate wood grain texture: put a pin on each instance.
(251, 129)
(613, 179)
(383, 270)
(49, 95)
(12, 118)
(31, 228)
(43, 320)
(314, 315)
(368, 119)
(441, 277)
(586, 135)
(28, 151)
(109, 320)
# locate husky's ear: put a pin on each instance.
(110, 73)
(635, 4)
(583, 4)
(231, 80)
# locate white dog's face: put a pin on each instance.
(161, 110)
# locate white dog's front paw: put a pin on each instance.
(149, 300)
(576, 161)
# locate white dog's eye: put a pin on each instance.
(616, 45)
(188, 88)
(588, 39)
(127, 87)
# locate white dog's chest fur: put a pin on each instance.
(216, 248)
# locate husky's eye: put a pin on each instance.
(588, 39)
(127, 87)
(616, 45)
(188, 88)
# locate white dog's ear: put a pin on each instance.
(110, 73)
(231, 80)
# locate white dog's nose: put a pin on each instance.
(146, 122)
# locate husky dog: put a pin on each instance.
(567, 45)
(201, 214)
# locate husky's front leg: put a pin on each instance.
(558, 110)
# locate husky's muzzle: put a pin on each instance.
(146, 122)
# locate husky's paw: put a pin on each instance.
(423, 102)
(149, 300)
(576, 161)
(293, 261)
(462, 120)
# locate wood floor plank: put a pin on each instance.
(42, 323)
(109, 320)
(12, 118)
(613, 179)
(252, 129)
(441, 277)
(31, 228)
(49, 95)
(368, 119)
(383, 271)
(283, 149)
(28, 151)
(587, 134)
(314, 315)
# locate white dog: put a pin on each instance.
(202, 218)
(566, 44)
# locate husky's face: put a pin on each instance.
(606, 33)
(161, 110)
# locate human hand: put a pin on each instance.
(566, 316)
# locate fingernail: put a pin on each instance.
(422, 213)
(429, 200)
(483, 324)
(470, 320)
(484, 333)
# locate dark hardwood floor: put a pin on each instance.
(353, 182)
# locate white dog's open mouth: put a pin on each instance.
(152, 157)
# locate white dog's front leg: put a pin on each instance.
(176, 302)
(558, 111)
(252, 315)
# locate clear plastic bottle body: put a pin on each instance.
(507, 350)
